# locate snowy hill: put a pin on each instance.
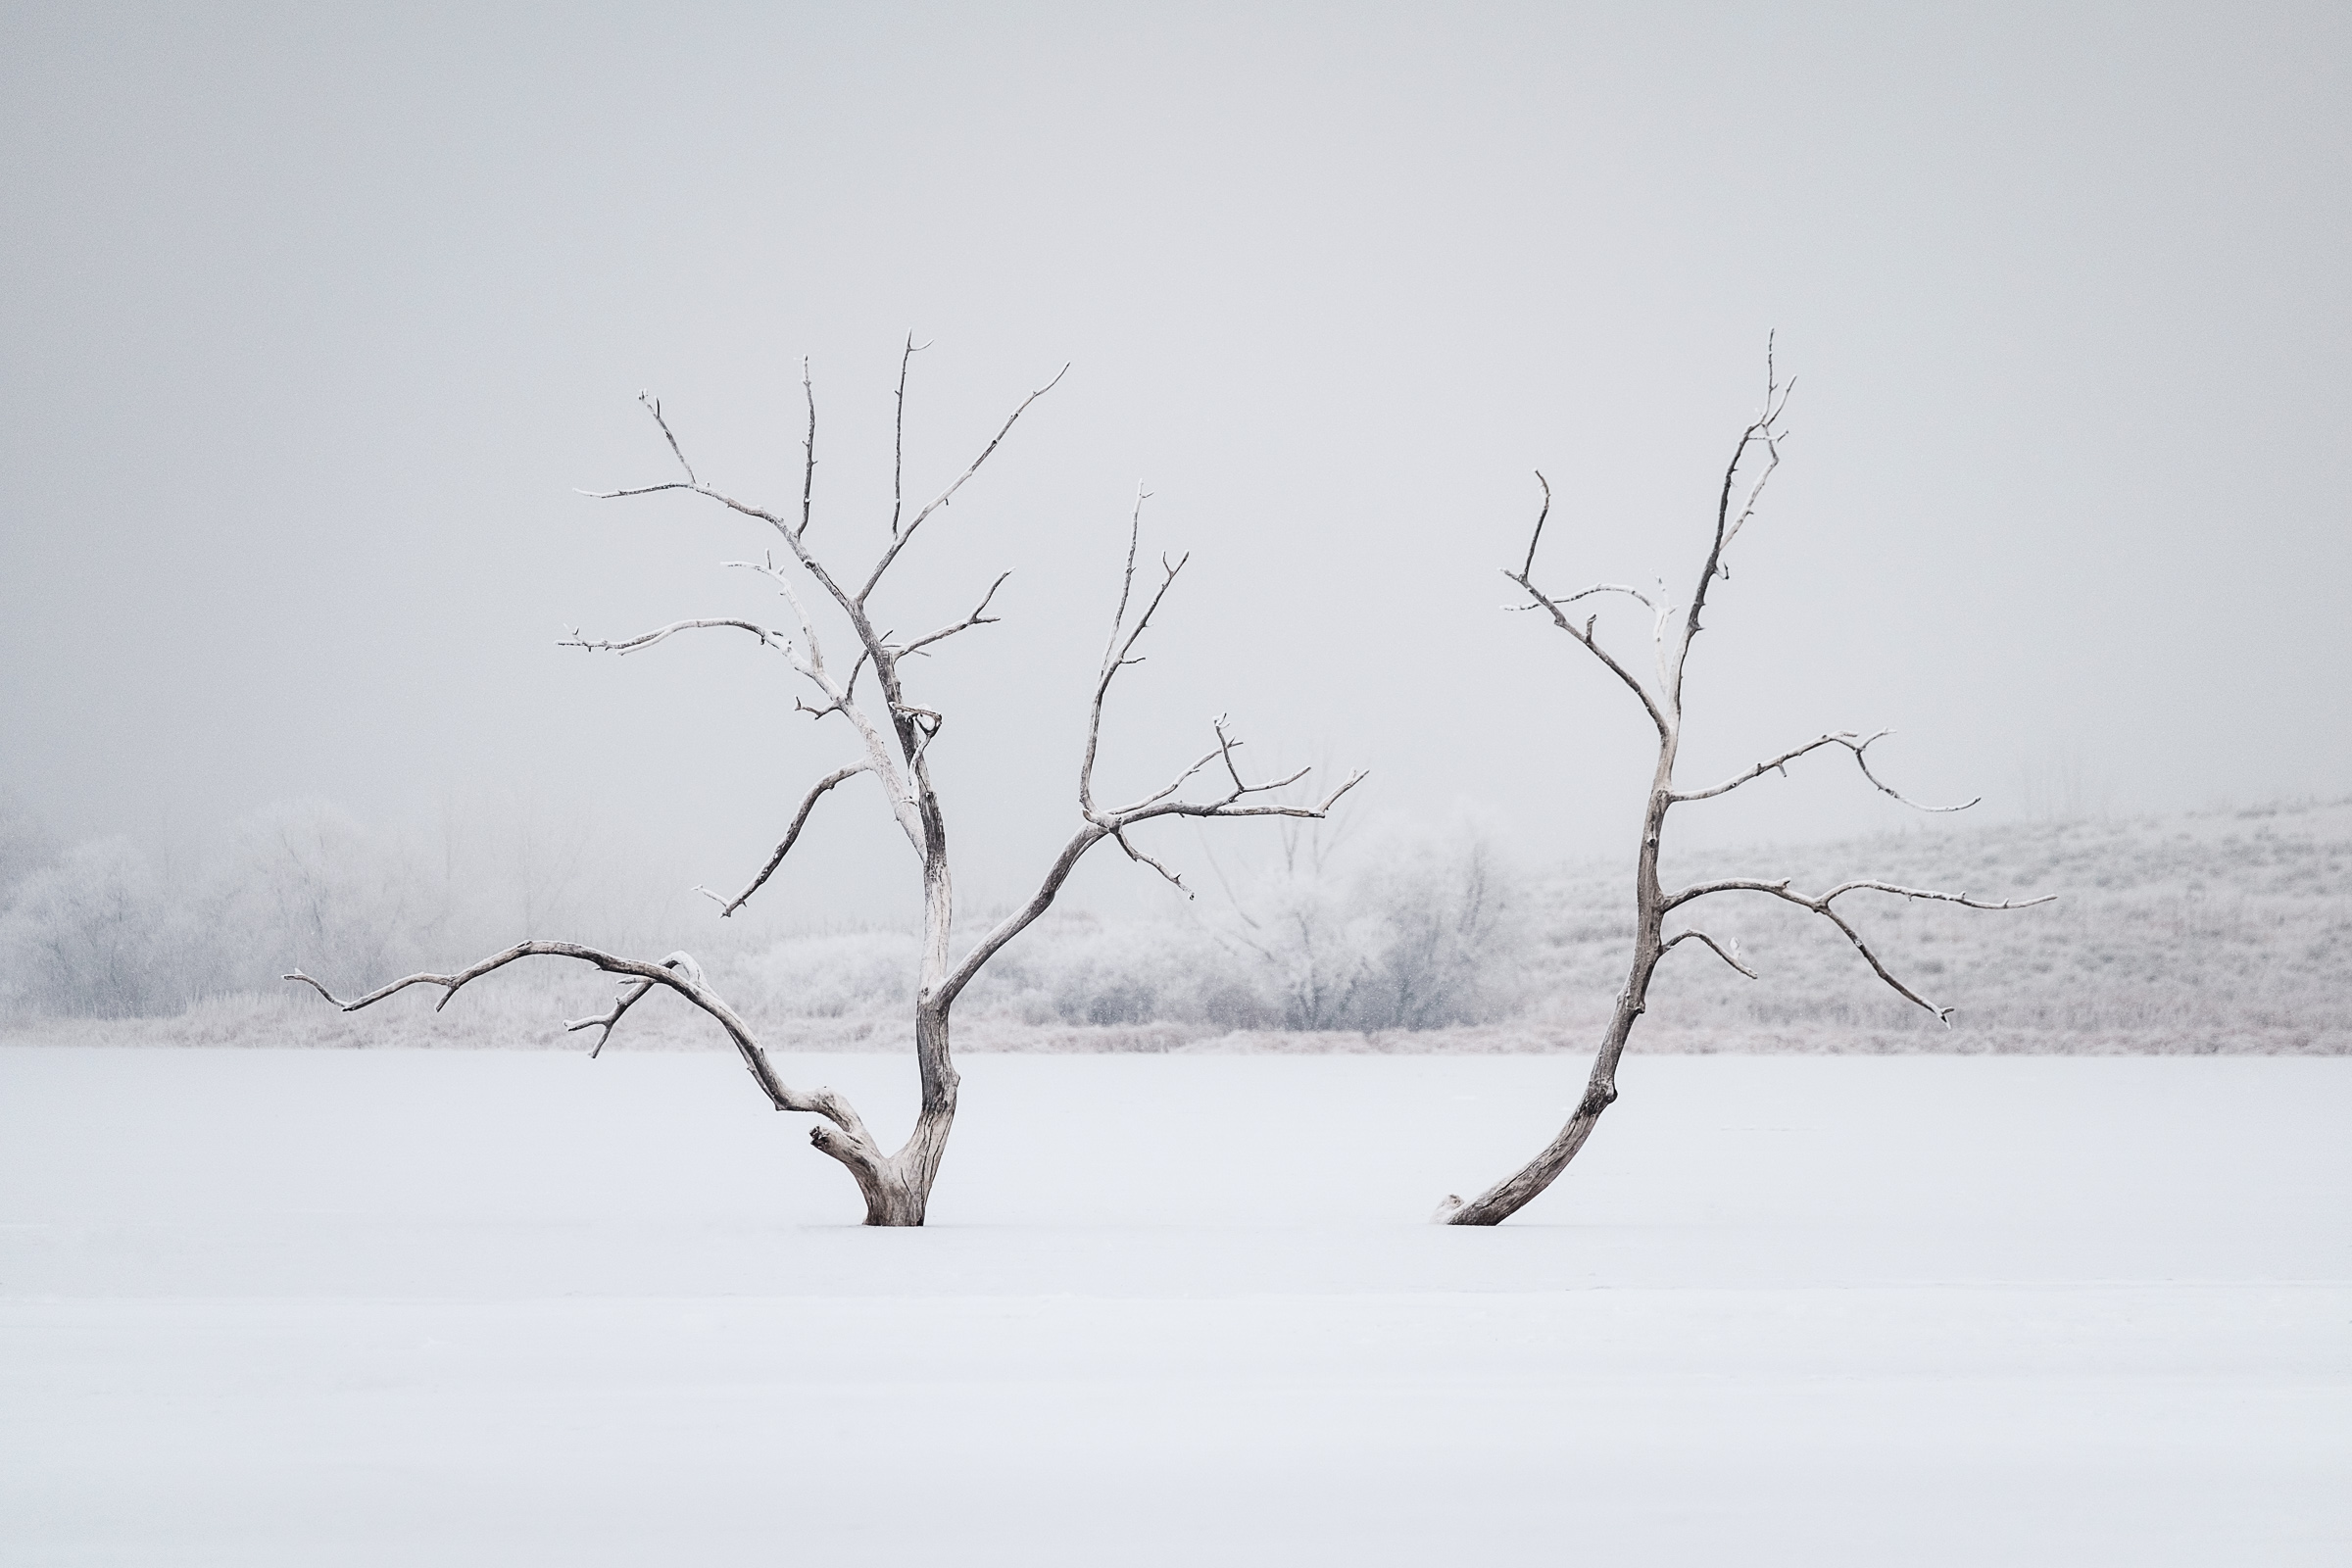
(2219, 931)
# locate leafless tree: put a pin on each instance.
(1674, 627)
(893, 735)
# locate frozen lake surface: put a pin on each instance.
(357, 1307)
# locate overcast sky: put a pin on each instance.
(313, 320)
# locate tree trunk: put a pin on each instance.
(901, 1192)
(1513, 1192)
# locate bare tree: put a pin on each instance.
(1674, 627)
(892, 736)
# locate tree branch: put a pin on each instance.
(1764, 430)
(727, 907)
(654, 406)
(808, 454)
(1583, 635)
(632, 992)
(1535, 538)
(1731, 958)
(1099, 824)
(1859, 745)
(978, 617)
(768, 638)
(898, 461)
(1115, 652)
(852, 1145)
(899, 537)
(1821, 907)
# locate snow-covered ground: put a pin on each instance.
(402, 1307)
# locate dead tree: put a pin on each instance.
(892, 736)
(1674, 627)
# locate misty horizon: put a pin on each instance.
(318, 325)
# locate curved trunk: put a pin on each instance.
(1513, 1192)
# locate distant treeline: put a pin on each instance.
(2215, 931)
(1401, 931)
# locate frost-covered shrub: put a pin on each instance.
(90, 935)
(308, 886)
(1409, 930)
(1411, 933)
(842, 974)
(1080, 970)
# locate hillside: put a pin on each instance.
(2222, 931)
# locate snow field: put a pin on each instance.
(361, 1308)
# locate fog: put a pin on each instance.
(315, 323)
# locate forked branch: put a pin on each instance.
(900, 536)
(632, 992)
(1586, 635)
(1730, 956)
(1859, 745)
(978, 617)
(1822, 905)
(1099, 823)
(846, 1141)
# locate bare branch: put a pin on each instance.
(1763, 431)
(1100, 825)
(899, 537)
(1821, 906)
(1859, 745)
(1731, 958)
(978, 617)
(1843, 738)
(799, 820)
(1173, 785)
(639, 490)
(1116, 651)
(1229, 805)
(1583, 634)
(1607, 588)
(1333, 799)
(1961, 899)
(768, 638)
(1140, 857)
(632, 992)
(1535, 538)
(808, 454)
(897, 461)
(1862, 762)
(653, 406)
(678, 973)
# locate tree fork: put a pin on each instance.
(895, 746)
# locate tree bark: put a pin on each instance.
(1514, 1192)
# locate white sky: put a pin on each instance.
(313, 320)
